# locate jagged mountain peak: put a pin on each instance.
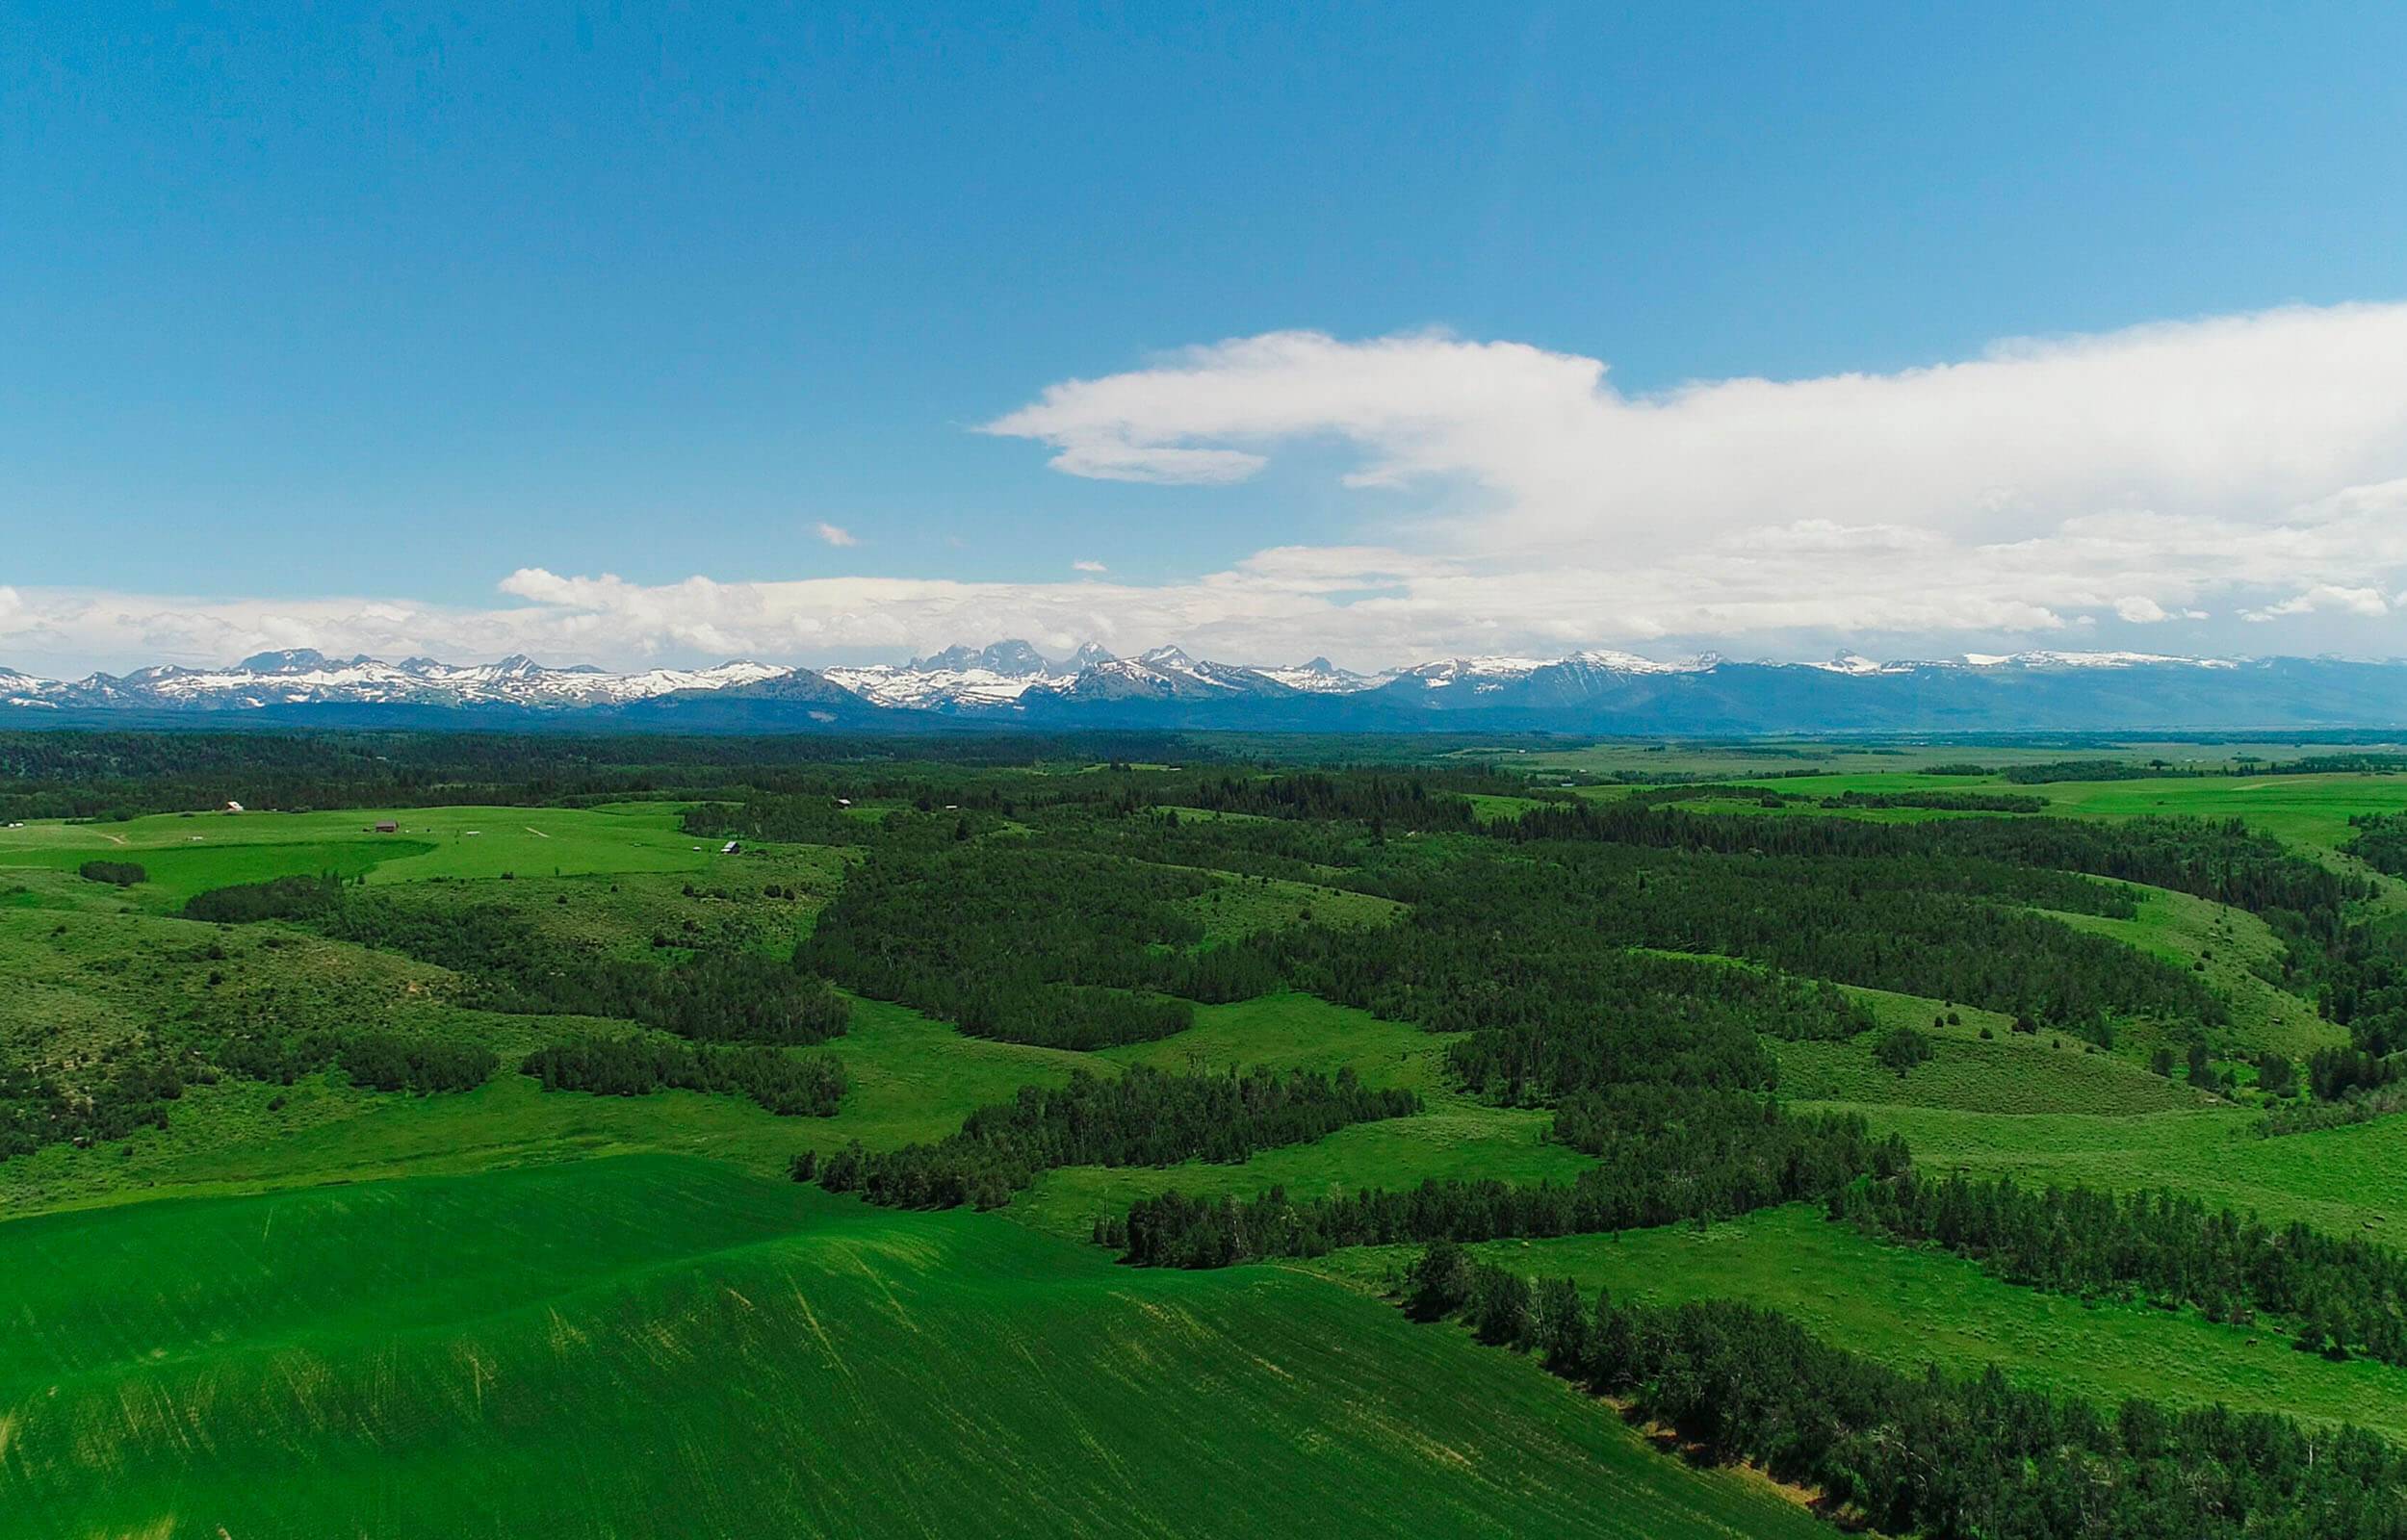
(286, 660)
(1592, 691)
(1011, 657)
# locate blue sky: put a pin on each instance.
(317, 325)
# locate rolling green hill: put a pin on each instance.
(664, 1347)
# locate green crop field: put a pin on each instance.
(277, 1300)
(662, 1347)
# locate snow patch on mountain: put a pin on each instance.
(2055, 659)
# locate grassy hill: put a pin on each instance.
(665, 1346)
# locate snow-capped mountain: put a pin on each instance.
(1011, 682)
(959, 678)
(302, 677)
(1169, 674)
(1321, 677)
(2047, 659)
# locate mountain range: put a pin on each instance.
(1011, 683)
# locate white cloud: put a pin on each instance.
(835, 534)
(2184, 477)
(1088, 566)
(2237, 416)
(2367, 601)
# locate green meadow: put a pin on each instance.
(186, 853)
(655, 1345)
(315, 1309)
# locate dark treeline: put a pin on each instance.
(1502, 942)
(1333, 854)
(1941, 801)
(386, 1060)
(1028, 944)
(2343, 1295)
(1398, 799)
(2360, 981)
(1143, 1118)
(2056, 771)
(1709, 791)
(1550, 1010)
(2380, 841)
(789, 1084)
(2338, 763)
(1947, 1459)
(2223, 861)
(2355, 969)
(2338, 1074)
(280, 898)
(121, 873)
(1663, 1155)
(716, 997)
(133, 1089)
(122, 774)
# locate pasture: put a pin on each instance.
(655, 1346)
(186, 853)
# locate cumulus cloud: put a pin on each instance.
(835, 534)
(2184, 478)
(2237, 416)
(2367, 601)
(1088, 566)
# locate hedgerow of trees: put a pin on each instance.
(1145, 1117)
(1929, 1454)
(786, 1084)
(1663, 1155)
(2340, 1296)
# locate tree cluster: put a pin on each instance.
(1941, 801)
(37, 1108)
(385, 1060)
(1947, 1459)
(1901, 1048)
(2343, 1296)
(1143, 1118)
(1029, 944)
(280, 898)
(511, 967)
(2380, 841)
(789, 1084)
(1545, 938)
(1424, 800)
(1661, 1155)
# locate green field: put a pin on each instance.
(662, 1347)
(316, 1309)
(186, 853)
